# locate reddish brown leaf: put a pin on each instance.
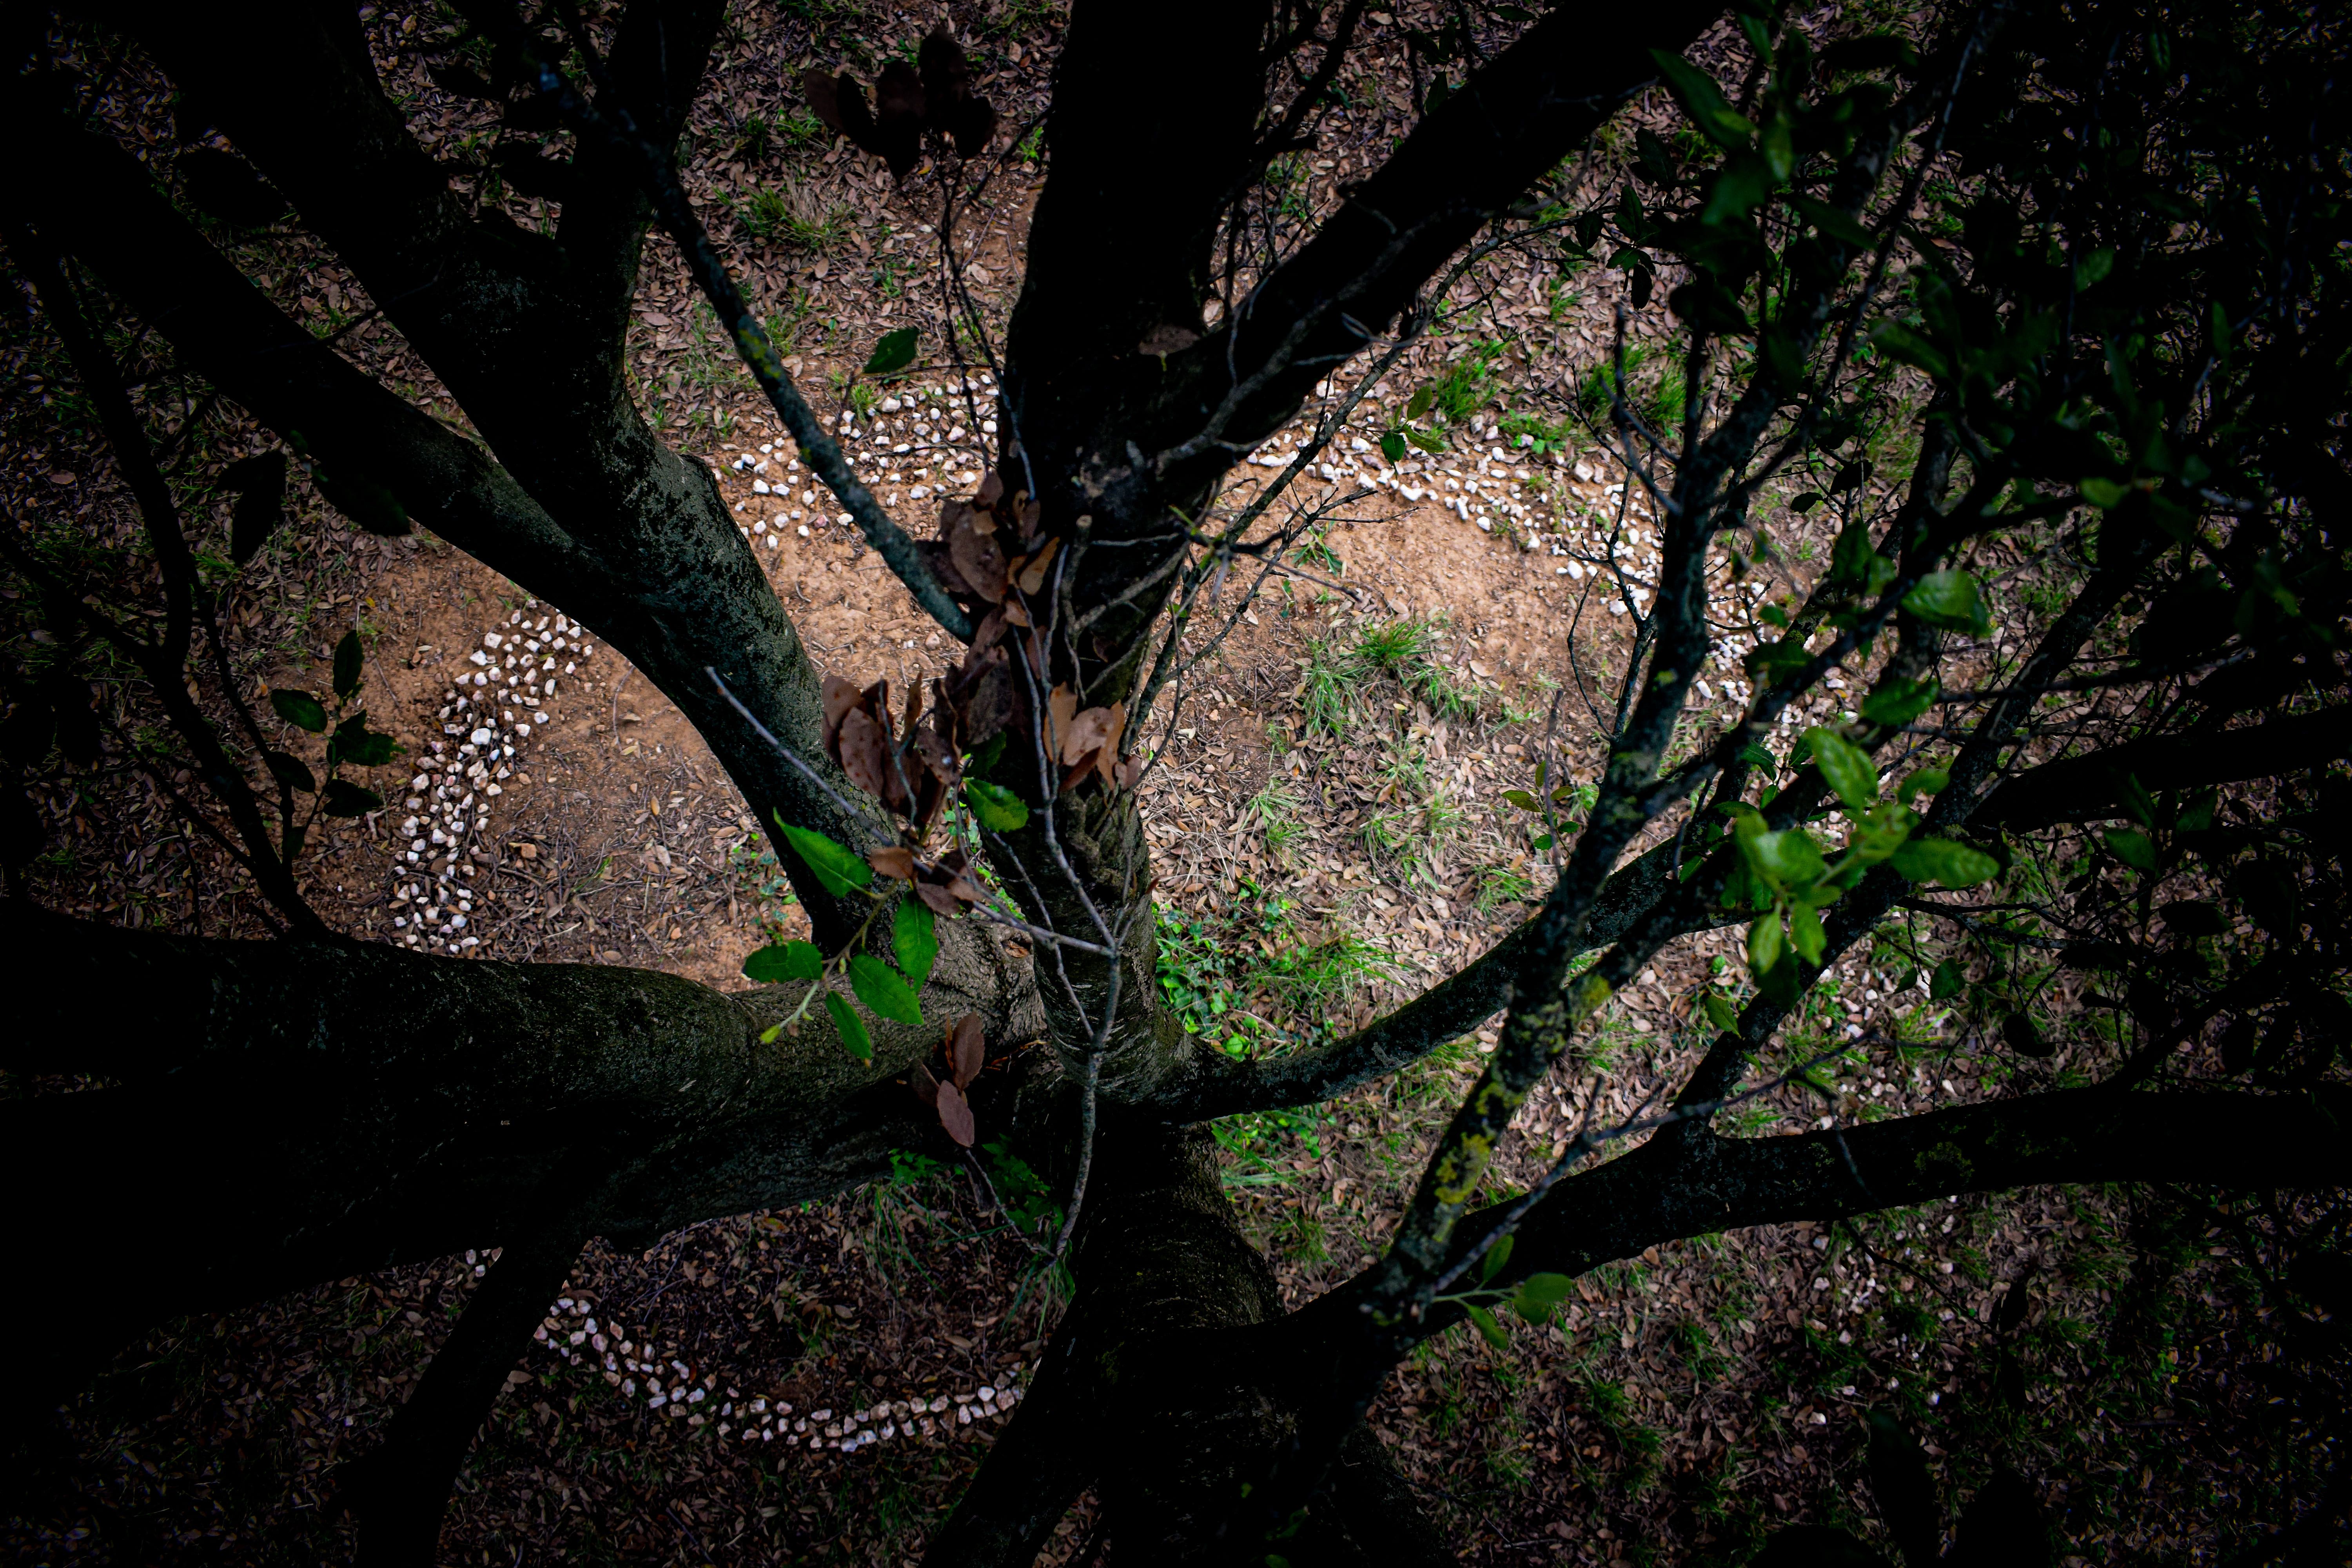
(967, 1049)
(898, 116)
(1075, 772)
(1016, 616)
(955, 1114)
(1130, 772)
(839, 696)
(896, 862)
(951, 106)
(938, 899)
(978, 559)
(823, 93)
(937, 752)
(925, 1083)
(875, 701)
(862, 753)
(992, 489)
(967, 889)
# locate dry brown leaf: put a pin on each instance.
(1032, 575)
(938, 899)
(967, 1049)
(955, 1114)
(897, 862)
(1107, 760)
(1088, 732)
(1167, 339)
(925, 1083)
(1061, 708)
(864, 752)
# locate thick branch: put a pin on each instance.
(1221, 1087)
(662, 575)
(1674, 1188)
(320, 1111)
(2090, 786)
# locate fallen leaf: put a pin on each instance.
(896, 861)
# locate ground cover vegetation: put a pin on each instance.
(1931, 831)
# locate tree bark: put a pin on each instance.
(319, 1110)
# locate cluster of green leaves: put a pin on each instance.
(1787, 874)
(888, 993)
(1533, 1300)
(350, 742)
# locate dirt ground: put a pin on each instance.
(815, 1387)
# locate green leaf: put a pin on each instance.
(289, 771)
(1899, 343)
(853, 1038)
(1703, 101)
(1846, 766)
(998, 808)
(1491, 1330)
(1770, 661)
(1756, 756)
(1496, 1255)
(347, 666)
(345, 798)
(1950, 981)
(2103, 492)
(1805, 932)
(838, 870)
(1521, 799)
(1927, 781)
(1949, 599)
(1764, 941)
(300, 710)
(883, 990)
(1900, 703)
(1540, 1296)
(894, 352)
(1420, 402)
(2135, 850)
(1834, 223)
(1721, 1012)
(914, 940)
(785, 961)
(1943, 861)
(354, 743)
(1394, 447)
(2093, 268)
(1789, 859)
(1741, 187)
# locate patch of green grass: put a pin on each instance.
(1696, 1348)
(787, 214)
(1276, 807)
(1316, 976)
(1464, 387)
(1500, 885)
(1304, 1238)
